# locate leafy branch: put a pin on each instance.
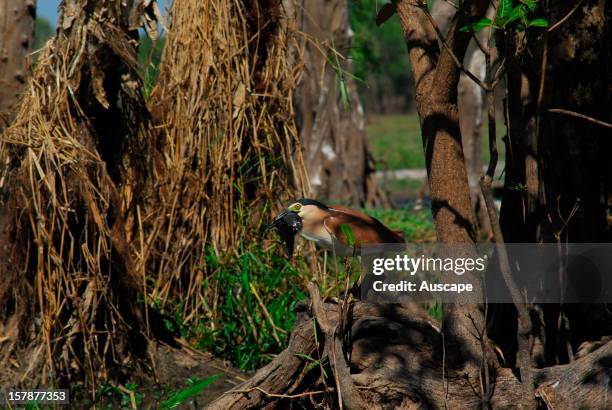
(509, 16)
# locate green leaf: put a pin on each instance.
(480, 24)
(477, 26)
(348, 234)
(518, 12)
(306, 357)
(185, 394)
(531, 4)
(344, 93)
(504, 8)
(385, 13)
(538, 23)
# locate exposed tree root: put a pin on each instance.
(284, 374)
(396, 360)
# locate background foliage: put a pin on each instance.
(387, 80)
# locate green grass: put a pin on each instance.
(237, 327)
(396, 142)
(131, 394)
(417, 225)
(402, 185)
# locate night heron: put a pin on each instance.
(342, 230)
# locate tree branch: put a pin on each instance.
(567, 16)
(582, 116)
(524, 320)
(450, 52)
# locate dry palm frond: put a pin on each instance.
(75, 168)
(227, 130)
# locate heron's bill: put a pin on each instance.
(287, 224)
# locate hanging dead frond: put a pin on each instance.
(224, 108)
(76, 168)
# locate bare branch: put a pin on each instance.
(480, 45)
(524, 320)
(282, 396)
(567, 16)
(459, 64)
(582, 116)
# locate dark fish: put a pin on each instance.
(288, 224)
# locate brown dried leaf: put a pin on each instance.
(239, 99)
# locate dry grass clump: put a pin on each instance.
(76, 166)
(223, 104)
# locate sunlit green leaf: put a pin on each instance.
(348, 234)
(531, 4)
(185, 394)
(519, 11)
(477, 26)
(504, 8)
(344, 93)
(538, 23)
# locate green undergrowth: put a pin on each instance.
(416, 225)
(257, 293)
(396, 141)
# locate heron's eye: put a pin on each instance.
(297, 207)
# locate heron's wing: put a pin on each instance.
(366, 229)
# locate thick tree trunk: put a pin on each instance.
(77, 177)
(16, 41)
(338, 161)
(558, 175)
(437, 76)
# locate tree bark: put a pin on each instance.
(398, 360)
(437, 76)
(339, 163)
(558, 185)
(17, 19)
(470, 105)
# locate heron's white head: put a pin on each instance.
(309, 210)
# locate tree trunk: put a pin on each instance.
(470, 104)
(332, 128)
(77, 177)
(437, 76)
(558, 175)
(16, 41)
